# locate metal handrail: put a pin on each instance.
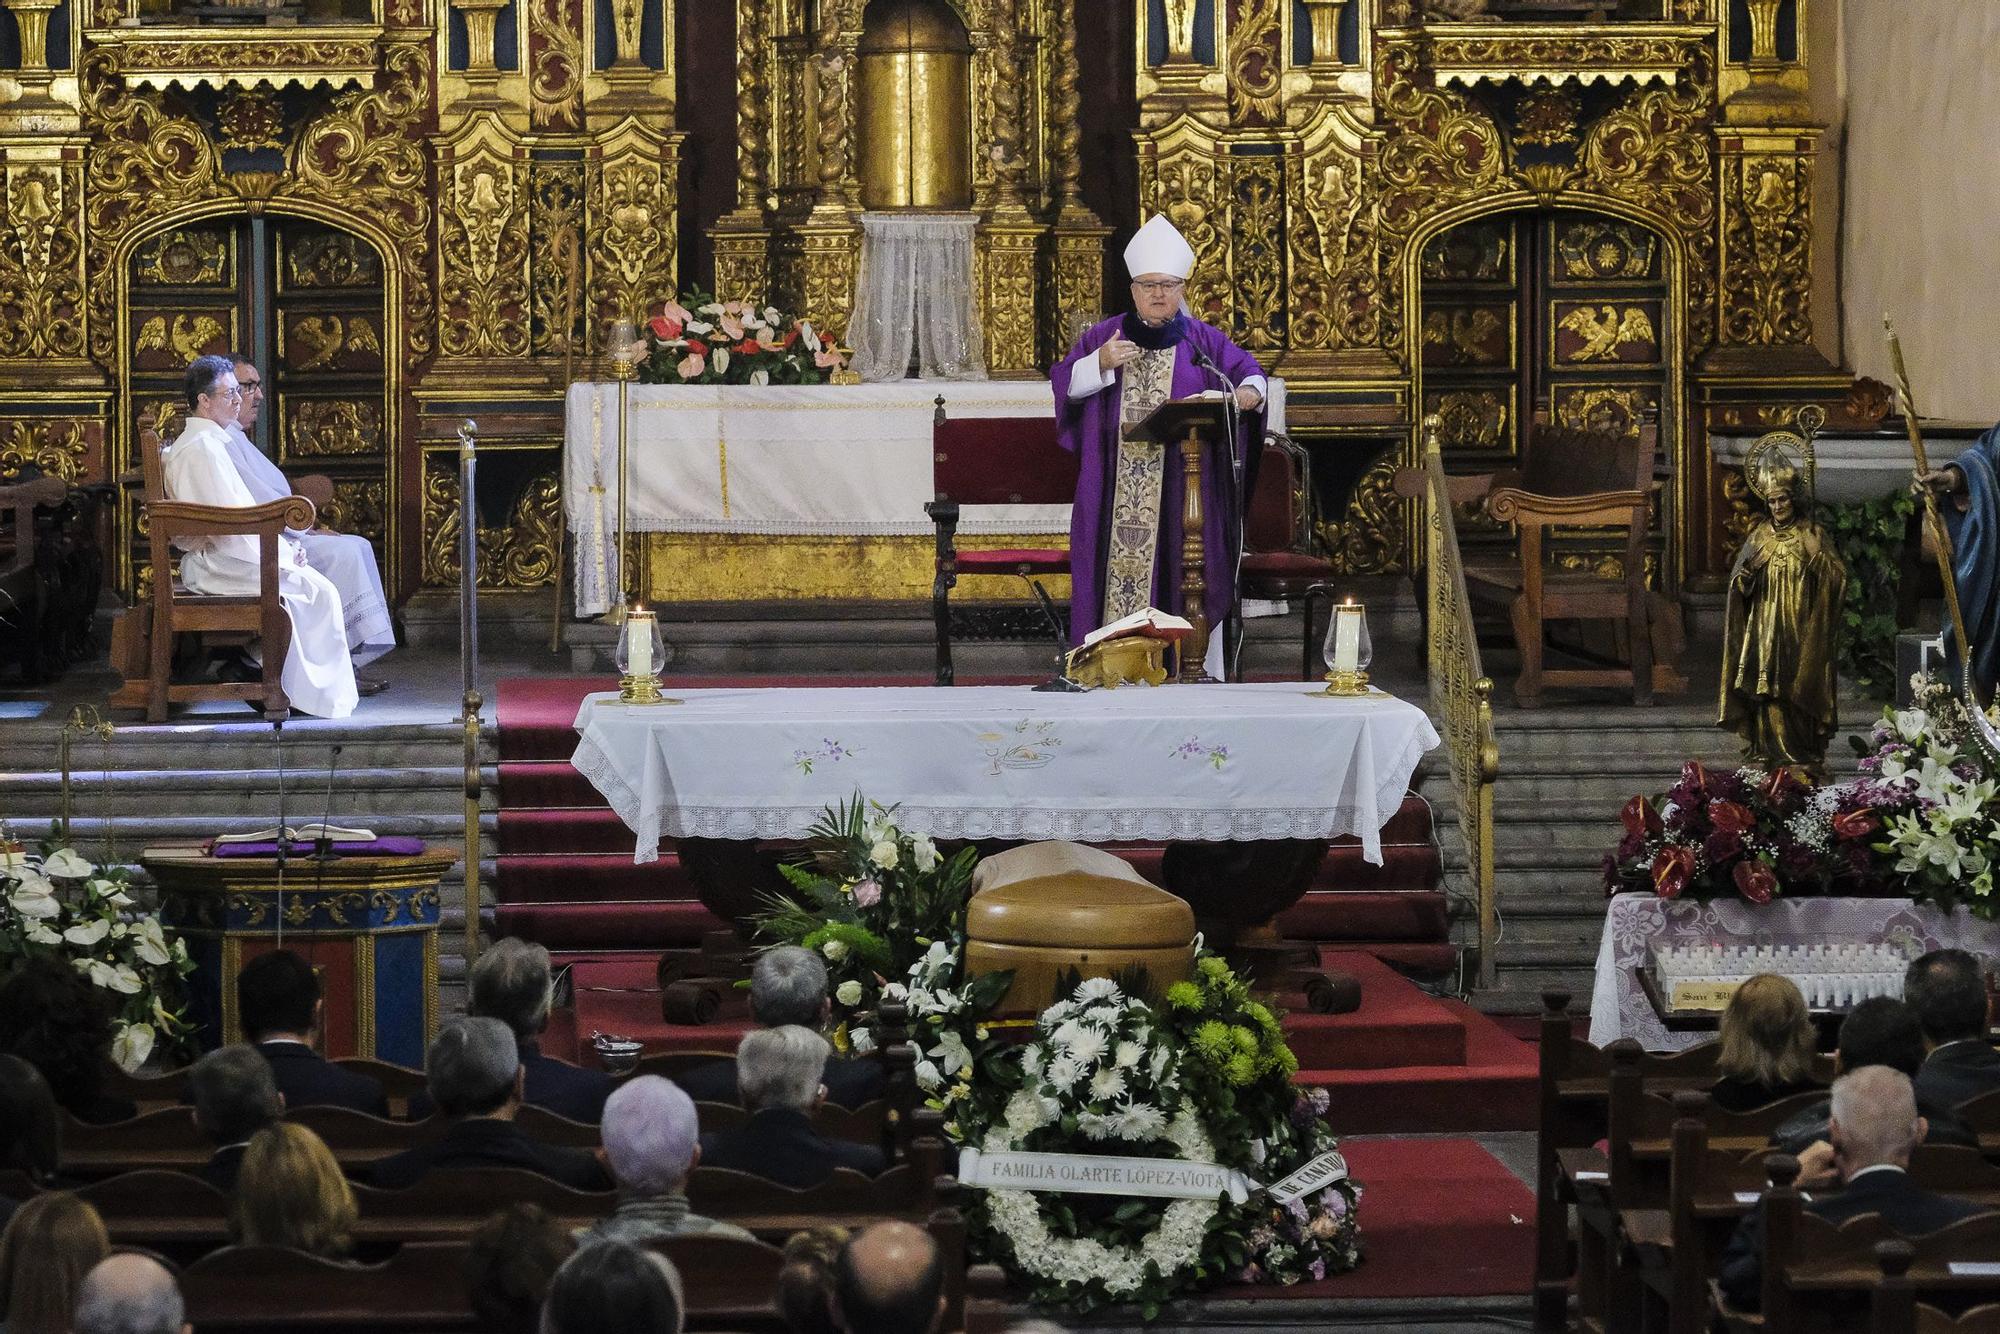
(1463, 694)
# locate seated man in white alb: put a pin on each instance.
(345, 558)
(318, 675)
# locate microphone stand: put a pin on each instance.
(1060, 683)
(1233, 626)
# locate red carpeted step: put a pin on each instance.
(1432, 959)
(591, 877)
(1368, 915)
(586, 926)
(551, 783)
(1404, 866)
(562, 831)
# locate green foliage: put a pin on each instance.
(1869, 538)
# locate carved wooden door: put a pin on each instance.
(1562, 307)
(305, 303)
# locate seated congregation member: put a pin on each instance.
(474, 1074)
(1875, 1126)
(30, 1127)
(1767, 1045)
(778, 1077)
(130, 1294)
(290, 1193)
(890, 1280)
(50, 1243)
(278, 995)
(52, 1017)
(509, 1263)
(235, 1096)
(318, 675)
(615, 1288)
(652, 1142)
(512, 982)
(1947, 989)
(347, 560)
(1878, 1031)
(788, 985)
(805, 1284)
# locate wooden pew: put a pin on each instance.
(421, 1286)
(170, 1089)
(168, 1138)
(1894, 1308)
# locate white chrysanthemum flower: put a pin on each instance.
(1023, 1114)
(1098, 1125)
(1088, 1046)
(1128, 1055)
(132, 1045)
(862, 1040)
(88, 933)
(928, 1076)
(1161, 1057)
(1108, 1084)
(848, 992)
(1064, 1071)
(1098, 989)
(64, 864)
(1032, 1061)
(1141, 1121)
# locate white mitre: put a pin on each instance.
(1159, 247)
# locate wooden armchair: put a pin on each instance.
(26, 585)
(175, 610)
(1573, 479)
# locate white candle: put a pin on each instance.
(1347, 638)
(639, 643)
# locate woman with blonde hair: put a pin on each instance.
(50, 1243)
(1767, 1045)
(289, 1192)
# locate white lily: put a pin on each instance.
(924, 853)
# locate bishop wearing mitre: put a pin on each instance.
(1125, 524)
(318, 675)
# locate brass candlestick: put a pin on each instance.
(622, 341)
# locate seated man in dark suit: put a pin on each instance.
(1947, 989)
(278, 997)
(778, 1076)
(1878, 1031)
(235, 1096)
(1875, 1126)
(511, 982)
(890, 1280)
(788, 986)
(474, 1073)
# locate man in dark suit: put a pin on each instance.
(512, 982)
(473, 1070)
(235, 1096)
(278, 997)
(788, 986)
(1875, 1126)
(778, 1076)
(1947, 989)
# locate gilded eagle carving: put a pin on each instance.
(188, 336)
(1604, 330)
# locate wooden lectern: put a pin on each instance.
(1192, 425)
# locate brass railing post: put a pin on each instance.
(468, 657)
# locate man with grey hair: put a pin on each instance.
(778, 1075)
(235, 1096)
(129, 1294)
(1874, 1127)
(513, 982)
(474, 1074)
(652, 1142)
(788, 985)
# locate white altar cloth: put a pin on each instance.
(1635, 923)
(805, 460)
(1203, 763)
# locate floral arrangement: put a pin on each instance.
(1200, 1074)
(58, 904)
(700, 340)
(1919, 819)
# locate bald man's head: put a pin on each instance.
(890, 1281)
(129, 1294)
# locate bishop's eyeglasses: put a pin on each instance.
(1164, 287)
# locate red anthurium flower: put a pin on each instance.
(1780, 784)
(1639, 817)
(1756, 881)
(1856, 824)
(1732, 816)
(697, 348)
(1694, 777)
(1672, 867)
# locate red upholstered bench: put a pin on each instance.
(1279, 562)
(991, 461)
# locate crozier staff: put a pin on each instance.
(1125, 524)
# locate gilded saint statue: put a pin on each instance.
(1779, 686)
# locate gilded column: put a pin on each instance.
(484, 313)
(1075, 292)
(1766, 186)
(823, 254)
(1010, 237)
(742, 237)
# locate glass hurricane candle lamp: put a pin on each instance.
(640, 651)
(1348, 650)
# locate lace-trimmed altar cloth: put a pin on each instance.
(1634, 924)
(848, 460)
(1210, 763)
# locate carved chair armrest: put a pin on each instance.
(180, 518)
(1599, 509)
(316, 487)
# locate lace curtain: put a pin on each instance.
(916, 292)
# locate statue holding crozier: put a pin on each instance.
(1125, 537)
(1966, 495)
(1786, 591)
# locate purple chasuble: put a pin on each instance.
(1088, 427)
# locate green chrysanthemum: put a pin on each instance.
(1184, 996)
(1212, 1040)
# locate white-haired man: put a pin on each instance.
(1118, 372)
(778, 1076)
(788, 985)
(129, 1294)
(1874, 1128)
(652, 1142)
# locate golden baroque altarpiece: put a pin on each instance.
(438, 201)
